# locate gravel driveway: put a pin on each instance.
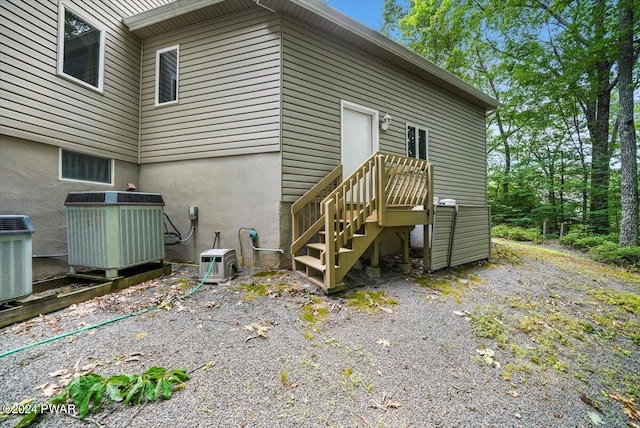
(533, 338)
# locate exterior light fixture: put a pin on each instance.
(386, 120)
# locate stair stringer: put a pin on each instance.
(359, 244)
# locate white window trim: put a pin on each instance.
(157, 80)
(60, 69)
(99, 183)
(361, 109)
(422, 127)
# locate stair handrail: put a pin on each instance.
(306, 216)
(355, 199)
(345, 210)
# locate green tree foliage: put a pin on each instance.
(552, 65)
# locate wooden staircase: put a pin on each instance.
(337, 220)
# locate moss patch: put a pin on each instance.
(369, 301)
(489, 325)
(183, 284)
(570, 263)
(254, 290)
(268, 273)
(504, 253)
(268, 287)
(452, 284)
(630, 302)
(314, 312)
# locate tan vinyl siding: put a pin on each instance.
(319, 70)
(472, 240)
(442, 232)
(39, 105)
(228, 90)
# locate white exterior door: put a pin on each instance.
(359, 135)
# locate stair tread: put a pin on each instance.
(321, 247)
(373, 217)
(312, 262)
(355, 235)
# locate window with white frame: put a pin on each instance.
(417, 142)
(81, 49)
(167, 75)
(76, 166)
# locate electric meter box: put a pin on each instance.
(225, 265)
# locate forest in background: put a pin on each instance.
(562, 146)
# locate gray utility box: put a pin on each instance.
(114, 230)
(15, 257)
(225, 268)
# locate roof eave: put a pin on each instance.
(437, 75)
(446, 78)
(165, 12)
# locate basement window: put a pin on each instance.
(76, 166)
(167, 76)
(81, 50)
(417, 142)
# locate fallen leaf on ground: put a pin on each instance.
(165, 305)
(50, 390)
(513, 393)
(383, 342)
(595, 418)
(260, 330)
(486, 354)
(88, 367)
(141, 335)
(378, 406)
(629, 406)
(59, 372)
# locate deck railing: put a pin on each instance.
(408, 181)
(306, 217)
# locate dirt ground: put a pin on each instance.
(535, 337)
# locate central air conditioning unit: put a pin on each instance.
(114, 230)
(225, 266)
(15, 257)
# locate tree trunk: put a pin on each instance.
(628, 148)
(600, 157)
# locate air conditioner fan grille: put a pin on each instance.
(15, 224)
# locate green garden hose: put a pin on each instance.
(100, 324)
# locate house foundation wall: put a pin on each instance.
(30, 185)
(232, 194)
